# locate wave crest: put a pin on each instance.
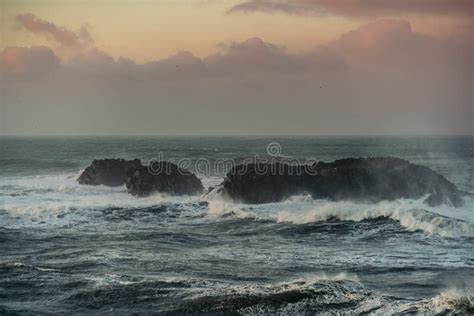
(453, 300)
(400, 211)
(302, 210)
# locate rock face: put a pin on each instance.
(109, 172)
(167, 178)
(363, 179)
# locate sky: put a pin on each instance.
(236, 67)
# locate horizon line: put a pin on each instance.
(225, 136)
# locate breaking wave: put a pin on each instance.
(411, 214)
(323, 293)
(450, 302)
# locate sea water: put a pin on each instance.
(70, 248)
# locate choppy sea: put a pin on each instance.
(67, 248)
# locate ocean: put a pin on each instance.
(67, 248)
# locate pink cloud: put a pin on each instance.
(383, 43)
(357, 8)
(382, 77)
(63, 36)
(29, 63)
(394, 43)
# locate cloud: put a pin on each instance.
(256, 55)
(270, 6)
(29, 63)
(180, 65)
(63, 36)
(383, 43)
(357, 8)
(253, 55)
(381, 78)
(394, 43)
(463, 33)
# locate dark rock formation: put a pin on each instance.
(109, 172)
(166, 178)
(364, 179)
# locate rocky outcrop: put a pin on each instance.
(164, 177)
(363, 179)
(109, 172)
(140, 180)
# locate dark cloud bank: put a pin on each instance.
(381, 78)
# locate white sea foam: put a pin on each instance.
(221, 208)
(52, 195)
(47, 198)
(411, 214)
(450, 302)
(210, 181)
(314, 278)
(302, 283)
(22, 265)
(453, 299)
